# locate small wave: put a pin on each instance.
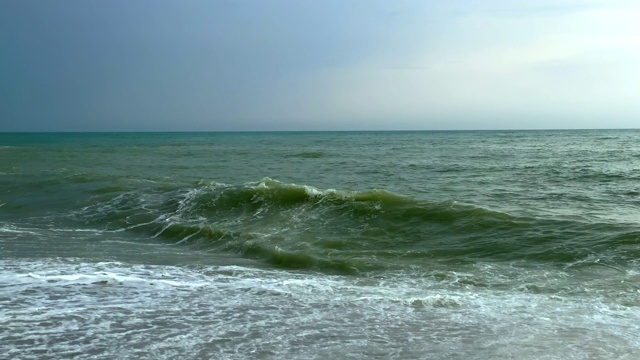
(110, 278)
(72, 272)
(436, 301)
(309, 155)
(15, 230)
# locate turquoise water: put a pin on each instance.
(481, 244)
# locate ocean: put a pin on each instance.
(318, 245)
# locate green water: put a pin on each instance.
(469, 244)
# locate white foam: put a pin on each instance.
(313, 192)
(235, 311)
(14, 230)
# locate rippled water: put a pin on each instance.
(517, 244)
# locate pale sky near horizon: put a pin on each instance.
(148, 65)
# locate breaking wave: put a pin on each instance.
(340, 231)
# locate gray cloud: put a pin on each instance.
(289, 65)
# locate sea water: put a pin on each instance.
(342, 245)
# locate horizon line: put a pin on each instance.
(296, 131)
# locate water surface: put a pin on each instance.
(459, 245)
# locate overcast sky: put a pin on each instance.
(163, 65)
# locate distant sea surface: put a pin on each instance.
(320, 245)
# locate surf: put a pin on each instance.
(298, 226)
